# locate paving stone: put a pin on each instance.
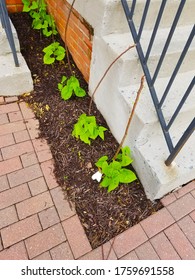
(49, 217)
(44, 256)
(17, 150)
(26, 111)
(15, 252)
(182, 206)
(47, 169)
(12, 127)
(45, 240)
(130, 256)
(29, 159)
(24, 175)
(129, 240)
(62, 205)
(100, 253)
(40, 144)
(44, 155)
(193, 193)
(3, 119)
(15, 195)
(146, 252)
(37, 186)
(168, 199)
(1, 245)
(4, 185)
(20, 231)
(76, 237)
(180, 242)
(6, 140)
(192, 215)
(62, 252)
(187, 225)
(184, 190)
(34, 205)
(157, 222)
(33, 128)
(15, 116)
(163, 247)
(1, 158)
(11, 99)
(10, 165)
(21, 136)
(1, 100)
(7, 108)
(8, 216)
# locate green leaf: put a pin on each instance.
(101, 160)
(80, 92)
(105, 168)
(127, 176)
(47, 59)
(115, 165)
(84, 137)
(101, 131)
(105, 182)
(126, 160)
(114, 184)
(66, 93)
(64, 78)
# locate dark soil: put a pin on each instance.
(103, 215)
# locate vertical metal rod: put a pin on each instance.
(6, 24)
(181, 142)
(182, 56)
(181, 103)
(160, 13)
(143, 18)
(176, 19)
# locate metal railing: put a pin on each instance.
(5, 21)
(151, 78)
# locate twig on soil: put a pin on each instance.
(130, 117)
(105, 73)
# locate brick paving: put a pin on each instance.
(36, 222)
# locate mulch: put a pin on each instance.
(102, 214)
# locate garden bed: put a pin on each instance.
(103, 215)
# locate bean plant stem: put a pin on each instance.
(105, 73)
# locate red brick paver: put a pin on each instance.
(37, 221)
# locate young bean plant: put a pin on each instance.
(53, 52)
(114, 172)
(86, 128)
(69, 87)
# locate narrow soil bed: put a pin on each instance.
(103, 215)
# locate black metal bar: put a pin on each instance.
(182, 56)
(143, 18)
(7, 26)
(160, 13)
(181, 142)
(181, 103)
(133, 8)
(147, 76)
(168, 40)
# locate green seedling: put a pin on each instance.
(114, 173)
(53, 52)
(69, 87)
(86, 128)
